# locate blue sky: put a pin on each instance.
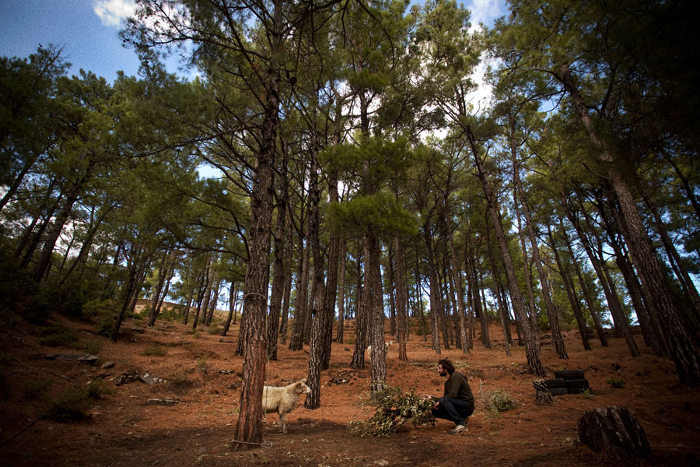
(88, 31)
(89, 41)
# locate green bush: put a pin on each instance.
(499, 400)
(395, 410)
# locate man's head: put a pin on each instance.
(445, 367)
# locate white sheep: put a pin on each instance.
(283, 399)
(386, 349)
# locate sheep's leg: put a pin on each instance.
(283, 424)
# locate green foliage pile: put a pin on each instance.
(395, 410)
(498, 400)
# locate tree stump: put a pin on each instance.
(543, 395)
(615, 432)
(544, 398)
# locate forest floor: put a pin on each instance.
(127, 426)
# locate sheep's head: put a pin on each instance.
(301, 388)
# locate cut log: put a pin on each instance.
(569, 374)
(555, 383)
(559, 391)
(614, 432)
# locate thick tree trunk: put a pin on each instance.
(316, 340)
(376, 316)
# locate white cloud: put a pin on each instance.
(485, 11)
(112, 12)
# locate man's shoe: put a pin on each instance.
(458, 429)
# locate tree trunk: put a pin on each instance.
(286, 299)
(551, 309)
(401, 298)
(435, 298)
(278, 278)
(683, 351)
(257, 274)
(570, 293)
(341, 292)
(362, 314)
(301, 303)
(158, 289)
(44, 262)
(677, 264)
(233, 293)
(615, 432)
(532, 345)
(376, 316)
(587, 295)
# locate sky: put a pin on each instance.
(88, 31)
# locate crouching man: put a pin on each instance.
(457, 403)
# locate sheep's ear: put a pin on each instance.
(303, 380)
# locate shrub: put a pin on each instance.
(155, 350)
(104, 313)
(55, 336)
(73, 404)
(395, 410)
(202, 364)
(499, 400)
(92, 347)
(616, 383)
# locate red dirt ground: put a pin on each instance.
(203, 375)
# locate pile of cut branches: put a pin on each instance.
(394, 411)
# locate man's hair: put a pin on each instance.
(447, 365)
